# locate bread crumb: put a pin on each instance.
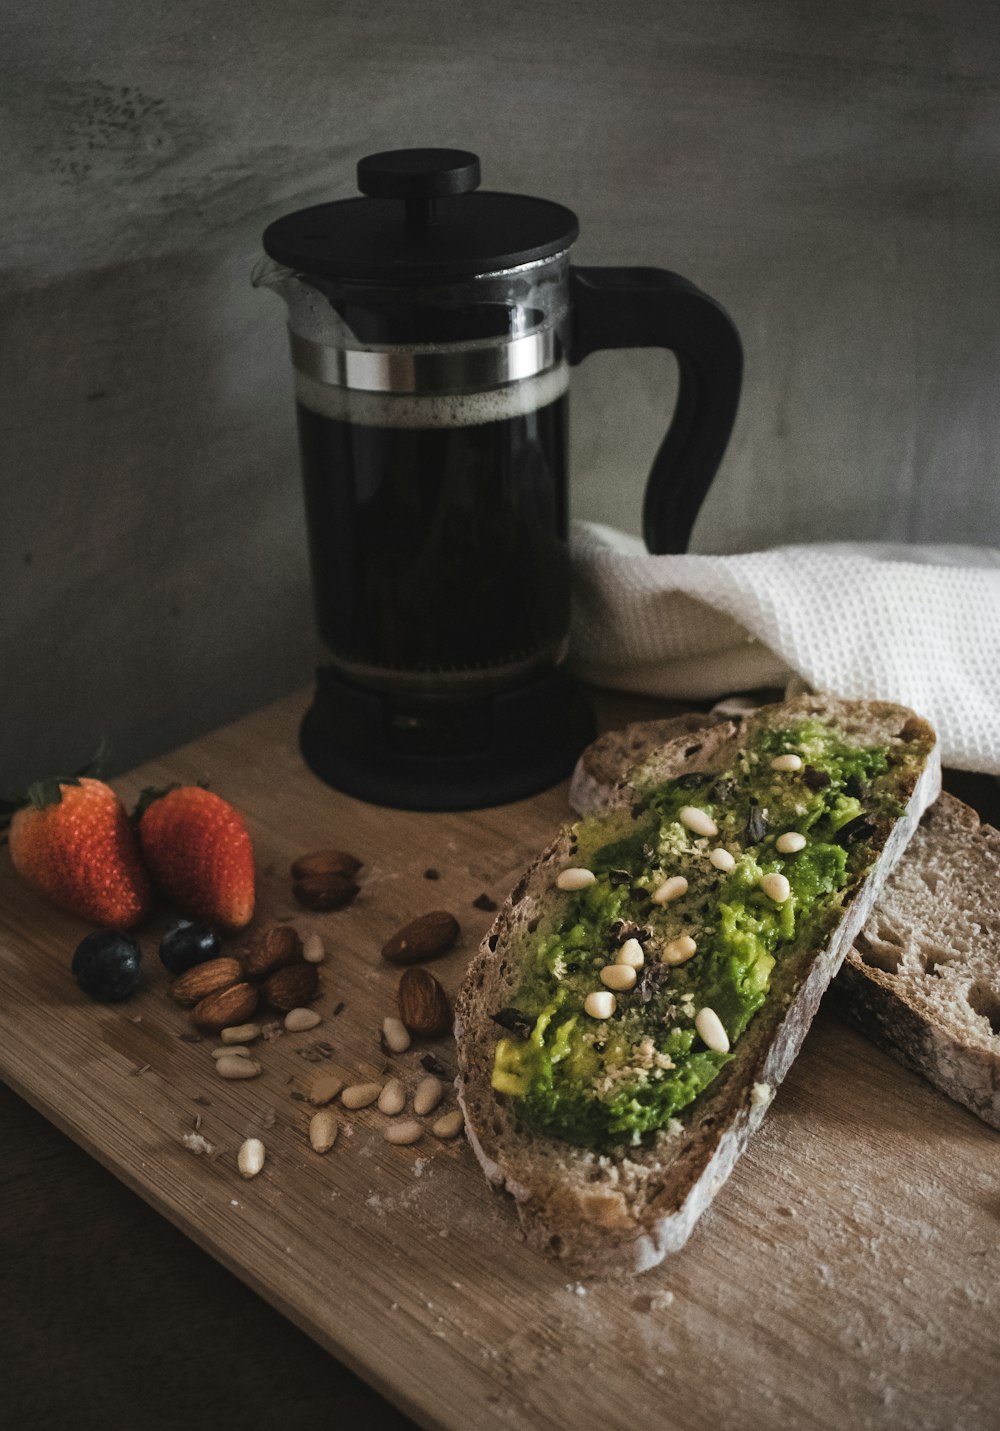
(660, 1301)
(197, 1143)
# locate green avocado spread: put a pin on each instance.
(597, 1081)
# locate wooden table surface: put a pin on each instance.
(846, 1276)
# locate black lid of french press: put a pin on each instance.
(422, 219)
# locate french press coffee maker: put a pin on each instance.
(433, 327)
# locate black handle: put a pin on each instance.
(651, 308)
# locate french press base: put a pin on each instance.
(427, 753)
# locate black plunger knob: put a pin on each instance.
(418, 173)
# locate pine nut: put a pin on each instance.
(240, 1033)
(600, 1005)
(631, 954)
(699, 822)
(722, 860)
(790, 843)
(449, 1124)
(234, 1067)
(406, 1132)
(574, 879)
(312, 949)
(776, 887)
(670, 890)
(323, 1130)
(395, 1035)
(679, 950)
(360, 1095)
(324, 1089)
(298, 1020)
(240, 1051)
(392, 1099)
(786, 762)
(620, 977)
(710, 1030)
(250, 1158)
(427, 1095)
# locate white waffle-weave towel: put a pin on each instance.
(914, 624)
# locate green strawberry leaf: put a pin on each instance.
(42, 793)
(149, 796)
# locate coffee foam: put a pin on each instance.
(449, 410)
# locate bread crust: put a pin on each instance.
(622, 1211)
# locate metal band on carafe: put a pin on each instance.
(427, 371)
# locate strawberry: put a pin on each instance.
(73, 843)
(198, 853)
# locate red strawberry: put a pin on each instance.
(74, 844)
(198, 853)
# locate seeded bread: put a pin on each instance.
(622, 1211)
(923, 978)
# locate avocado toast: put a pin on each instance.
(650, 980)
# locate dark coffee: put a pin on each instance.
(437, 539)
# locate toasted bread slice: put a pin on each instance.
(923, 979)
(623, 1208)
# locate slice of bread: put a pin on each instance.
(622, 1210)
(923, 978)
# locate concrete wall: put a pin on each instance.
(830, 173)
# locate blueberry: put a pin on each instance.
(108, 966)
(185, 944)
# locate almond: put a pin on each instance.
(225, 1008)
(423, 1004)
(325, 862)
(291, 988)
(276, 948)
(425, 938)
(324, 891)
(205, 979)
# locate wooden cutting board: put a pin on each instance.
(846, 1276)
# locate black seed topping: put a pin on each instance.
(815, 779)
(860, 828)
(756, 824)
(514, 1020)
